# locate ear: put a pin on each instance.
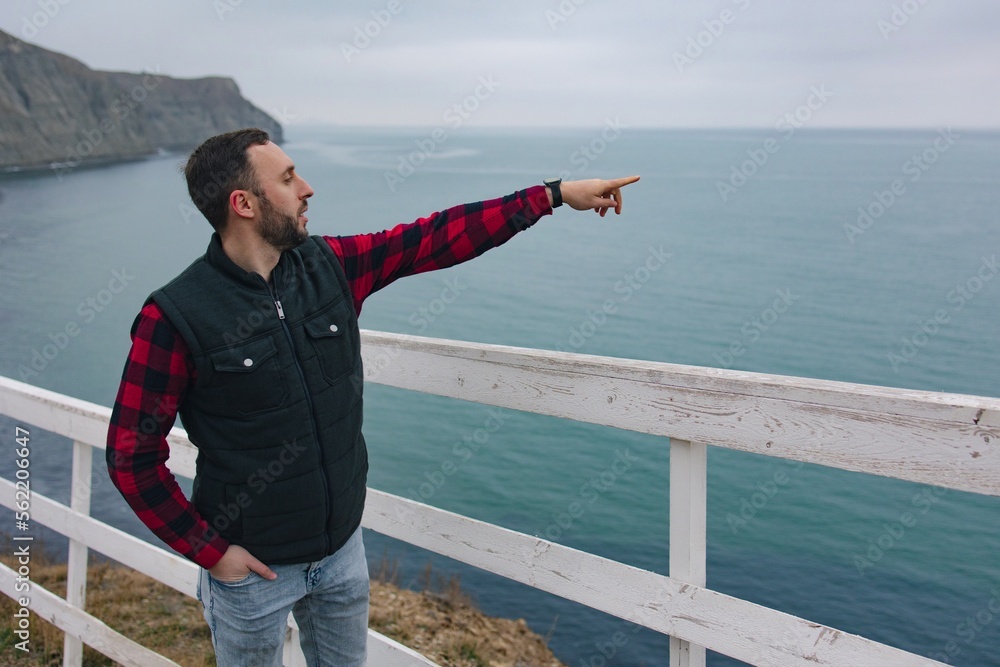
(240, 203)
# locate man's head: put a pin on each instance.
(217, 167)
(241, 179)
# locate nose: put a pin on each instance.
(307, 190)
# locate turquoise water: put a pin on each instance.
(80, 253)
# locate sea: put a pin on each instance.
(865, 256)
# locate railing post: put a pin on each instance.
(76, 562)
(688, 516)
(291, 652)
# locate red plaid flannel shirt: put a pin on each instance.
(160, 368)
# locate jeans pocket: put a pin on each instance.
(245, 581)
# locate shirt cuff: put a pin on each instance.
(211, 552)
(538, 200)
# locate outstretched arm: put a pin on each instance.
(457, 234)
(440, 240)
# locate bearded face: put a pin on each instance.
(279, 230)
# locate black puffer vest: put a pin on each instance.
(276, 410)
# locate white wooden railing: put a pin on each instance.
(947, 440)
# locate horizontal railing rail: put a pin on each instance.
(948, 440)
(942, 439)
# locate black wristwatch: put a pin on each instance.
(553, 184)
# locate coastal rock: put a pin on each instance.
(54, 110)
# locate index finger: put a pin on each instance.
(620, 182)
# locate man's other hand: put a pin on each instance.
(237, 563)
(598, 194)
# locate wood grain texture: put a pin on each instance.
(76, 561)
(688, 532)
(737, 628)
(949, 440)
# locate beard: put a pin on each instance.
(279, 230)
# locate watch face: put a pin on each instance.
(552, 181)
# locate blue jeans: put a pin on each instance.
(329, 599)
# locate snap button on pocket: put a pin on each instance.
(247, 378)
(244, 358)
(329, 334)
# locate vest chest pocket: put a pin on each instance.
(248, 377)
(331, 341)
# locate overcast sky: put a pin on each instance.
(717, 63)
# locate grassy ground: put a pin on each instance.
(440, 621)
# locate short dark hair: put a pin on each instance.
(217, 167)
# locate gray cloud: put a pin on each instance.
(559, 63)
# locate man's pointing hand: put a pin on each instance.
(595, 193)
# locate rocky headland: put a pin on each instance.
(57, 112)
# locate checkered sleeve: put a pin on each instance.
(443, 239)
(157, 373)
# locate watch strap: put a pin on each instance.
(554, 185)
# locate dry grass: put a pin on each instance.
(441, 621)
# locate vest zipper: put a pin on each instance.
(312, 409)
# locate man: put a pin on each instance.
(256, 346)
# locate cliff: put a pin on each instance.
(54, 110)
